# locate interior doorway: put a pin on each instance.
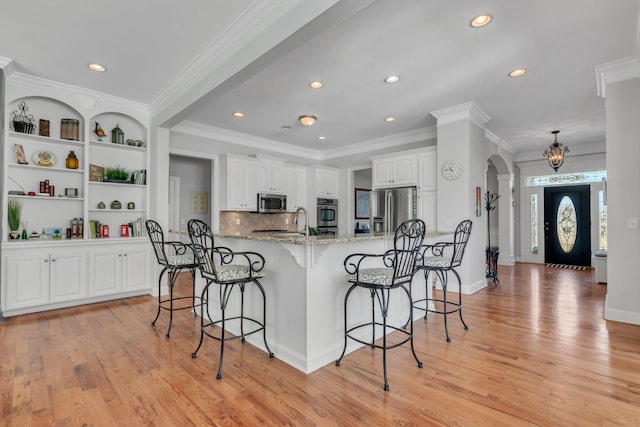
(190, 192)
(567, 225)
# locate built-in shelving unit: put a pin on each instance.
(46, 272)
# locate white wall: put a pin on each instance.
(623, 201)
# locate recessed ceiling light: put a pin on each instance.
(238, 114)
(307, 120)
(97, 67)
(517, 73)
(315, 85)
(392, 79)
(389, 119)
(480, 21)
(322, 138)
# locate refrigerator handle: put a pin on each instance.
(390, 220)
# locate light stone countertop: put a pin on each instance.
(319, 240)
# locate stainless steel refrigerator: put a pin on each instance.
(390, 207)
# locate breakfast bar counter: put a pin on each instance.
(305, 287)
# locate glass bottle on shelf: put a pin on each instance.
(72, 161)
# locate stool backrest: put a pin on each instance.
(154, 231)
(201, 238)
(460, 239)
(406, 243)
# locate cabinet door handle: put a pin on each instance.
(53, 260)
(46, 260)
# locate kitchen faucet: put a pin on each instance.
(306, 220)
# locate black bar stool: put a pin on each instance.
(229, 270)
(442, 258)
(174, 257)
(395, 269)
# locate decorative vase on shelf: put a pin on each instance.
(72, 161)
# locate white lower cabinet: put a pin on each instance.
(44, 276)
(116, 271)
(36, 278)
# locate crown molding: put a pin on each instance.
(8, 66)
(197, 69)
(88, 98)
(396, 140)
(260, 144)
(501, 143)
(467, 111)
(225, 135)
(615, 72)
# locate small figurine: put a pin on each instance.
(99, 132)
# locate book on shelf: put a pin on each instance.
(139, 177)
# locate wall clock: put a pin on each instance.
(451, 169)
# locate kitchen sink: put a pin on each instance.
(280, 233)
(286, 234)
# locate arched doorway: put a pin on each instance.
(500, 229)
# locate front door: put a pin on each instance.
(567, 225)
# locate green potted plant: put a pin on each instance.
(14, 210)
(116, 174)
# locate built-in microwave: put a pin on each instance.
(272, 203)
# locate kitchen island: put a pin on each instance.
(305, 287)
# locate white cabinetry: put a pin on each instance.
(270, 177)
(39, 277)
(296, 187)
(427, 209)
(395, 171)
(326, 180)
(239, 193)
(114, 271)
(411, 168)
(427, 171)
(41, 274)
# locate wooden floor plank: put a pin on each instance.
(537, 352)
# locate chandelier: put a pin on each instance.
(555, 153)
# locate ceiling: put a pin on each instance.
(197, 63)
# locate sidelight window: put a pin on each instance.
(602, 222)
(534, 223)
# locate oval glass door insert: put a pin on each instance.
(567, 222)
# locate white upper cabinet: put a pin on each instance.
(270, 177)
(427, 171)
(327, 182)
(395, 171)
(239, 192)
(296, 187)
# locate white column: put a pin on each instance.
(506, 216)
(460, 138)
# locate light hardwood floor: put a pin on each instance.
(537, 352)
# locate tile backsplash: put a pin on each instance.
(236, 222)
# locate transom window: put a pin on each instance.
(566, 178)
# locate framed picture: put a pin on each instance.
(362, 203)
(96, 173)
(20, 157)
